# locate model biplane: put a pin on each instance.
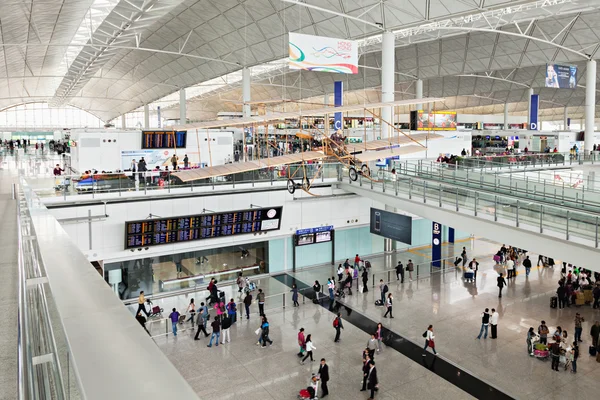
(324, 147)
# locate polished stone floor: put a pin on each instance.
(442, 299)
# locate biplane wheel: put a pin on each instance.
(353, 174)
(365, 170)
(305, 183)
(291, 186)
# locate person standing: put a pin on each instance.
(340, 272)
(141, 304)
(378, 336)
(596, 294)
(260, 297)
(429, 340)
(337, 324)
(295, 295)
(232, 311)
(192, 311)
(555, 354)
(201, 321)
(485, 321)
(561, 293)
(365, 370)
(140, 318)
(372, 381)
(216, 332)
(574, 356)
(331, 288)
(527, 265)
(365, 279)
(501, 284)
(509, 266)
(265, 332)
(410, 267)
(543, 331)
(383, 289)
(474, 265)
(241, 282)
(309, 349)
(58, 170)
(225, 326)
(356, 261)
(247, 302)
(494, 323)
(174, 162)
(463, 255)
(595, 333)
(186, 161)
(174, 316)
(324, 376)
(578, 328)
(301, 342)
(530, 339)
(388, 305)
(400, 272)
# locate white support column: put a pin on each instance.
(326, 99)
(590, 105)
(419, 92)
(146, 116)
(565, 120)
(529, 93)
(182, 107)
(506, 116)
(388, 63)
(123, 122)
(246, 96)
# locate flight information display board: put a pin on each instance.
(152, 232)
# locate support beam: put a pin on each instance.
(146, 116)
(590, 105)
(419, 92)
(246, 95)
(529, 94)
(388, 64)
(182, 107)
(123, 122)
(506, 125)
(565, 120)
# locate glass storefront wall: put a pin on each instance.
(188, 270)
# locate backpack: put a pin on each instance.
(336, 323)
(385, 289)
(425, 334)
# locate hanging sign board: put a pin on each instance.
(324, 54)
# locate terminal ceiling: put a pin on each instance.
(101, 61)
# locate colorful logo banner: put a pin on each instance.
(325, 54)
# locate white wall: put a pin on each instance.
(108, 236)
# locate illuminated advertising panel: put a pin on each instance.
(324, 54)
(436, 121)
(561, 76)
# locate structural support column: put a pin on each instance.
(388, 63)
(246, 97)
(419, 93)
(389, 245)
(123, 122)
(529, 94)
(506, 116)
(182, 107)
(590, 105)
(146, 116)
(565, 120)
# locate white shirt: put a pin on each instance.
(510, 264)
(430, 335)
(494, 318)
(310, 347)
(340, 270)
(331, 285)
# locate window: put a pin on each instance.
(40, 115)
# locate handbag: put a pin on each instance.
(431, 343)
(257, 331)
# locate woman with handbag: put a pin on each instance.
(429, 341)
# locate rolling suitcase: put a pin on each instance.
(378, 303)
(592, 351)
(553, 302)
(457, 261)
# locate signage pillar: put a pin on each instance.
(590, 105)
(338, 101)
(436, 244)
(146, 116)
(182, 107)
(532, 120)
(419, 93)
(505, 116)
(246, 96)
(388, 64)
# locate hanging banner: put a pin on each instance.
(436, 245)
(338, 101)
(325, 54)
(533, 112)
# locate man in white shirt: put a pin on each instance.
(510, 266)
(494, 323)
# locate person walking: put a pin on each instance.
(365, 370)
(260, 297)
(309, 349)
(142, 304)
(356, 261)
(555, 353)
(265, 332)
(174, 162)
(388, 305)
(337, 324)
(340, 272)
(429, 341)
(225, 326)
(174, 316)
(372, 381)
(201, 321)
(331, 288)
(301, 342)
(527, 265)
(596, 294)
(383, 289)
(474, 265)
(378, 336)
(574, 355)
(191, 310)
(501, 283)
(216, 332)
(247, 302)
(232, 311)
(561, 294)
(186, 161)
(509, 267)
(494, 323)
(365, 279)
(463, 255)
(324, 376)
(241, 282)
(543, 331)
(295, 295)
(530, 339)
(372, 346)
(485, 322)
(578, 328)
(140, 318)
(400, 272)
(410, 267)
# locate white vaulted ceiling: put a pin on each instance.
(112, 56)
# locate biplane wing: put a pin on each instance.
(393, 141)
(236, 168)
(398, 151)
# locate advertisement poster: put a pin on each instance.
(561, 76)
(154, 158)
(325, 54)
(391, 225)
(436, 121)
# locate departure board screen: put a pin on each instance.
(152, 232)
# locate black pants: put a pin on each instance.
(337, 334)
(247, 311)
(543, 340)
(201, 328)
(308, 354)
(509, 274)
(142, 308)
(474, 274)
(499, 291)
(324, 388)
(596, 302)
(389, 310)
(372, 354)
(372, 392)
(364, 387)
(555, 361)
(494, 331)
(562, 302)
(261, 308)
